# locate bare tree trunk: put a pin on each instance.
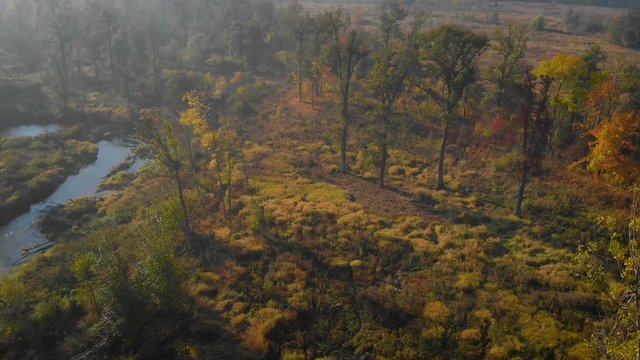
(344, 138)
(383, 160)
(300, 43)
(189, 147)
(523, 184)
(219, 173)
(230, 165)
(313, 100)
(63, 59)
(96, 68)
(525, 168)
(127, 87)
(187, 227)
(500, 92)
(244, 168)
(443, 148)
(78, 63)
(110, 49)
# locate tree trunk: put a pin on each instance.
(500, 93)
(523, 184)
(383, 160)
(443, 149)
(219, 173)
(187, 227)
(110, 49)
(96, 68)
(63, 59)
(313, 100)
(244, 168)
(127, 87)
(525, 165)
(78, 62)
(344, 167)
(189, 147)
(300, 70)
(230, 165)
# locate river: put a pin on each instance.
(29, 130)
(22, 232)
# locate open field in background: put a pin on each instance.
(542, 44)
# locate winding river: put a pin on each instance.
(21, 232)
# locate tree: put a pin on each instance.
(615, 152)
(203, 117)
(631, 86)
(62, 26)
(625, 30)
(511, 48)
(299, 26)
(346, 54)
(92, 35)
(110, 25)
(140, 286)
(448, 58)
(602, 102)
(159, 135)
(394, 62)
(615, 158)
(536, 124)
(195, 54)
(391, 16)
(565, 71)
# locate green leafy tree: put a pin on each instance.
(162, 143)
(536, 124)
(63, 30)
(448, 57)
(565, 71)
(300, 27)
(511, 47)
(195, 52)
(394, 62)
(347, 51)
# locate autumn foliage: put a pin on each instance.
(615, 152)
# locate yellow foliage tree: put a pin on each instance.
(565, 71)
(615, 152)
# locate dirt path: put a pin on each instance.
(386, 202)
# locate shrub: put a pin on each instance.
(437, 312)
(538, 24)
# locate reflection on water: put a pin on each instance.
(29, 130)
(21, 233)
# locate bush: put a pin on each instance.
(538, 24)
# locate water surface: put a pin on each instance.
(29, 130)
(21, 232)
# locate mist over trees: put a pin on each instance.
(324, 182)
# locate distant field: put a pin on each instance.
(477, 15)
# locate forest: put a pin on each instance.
(315, 179)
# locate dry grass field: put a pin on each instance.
(477, 16)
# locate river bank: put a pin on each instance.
(23, 233)
(34, 167)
